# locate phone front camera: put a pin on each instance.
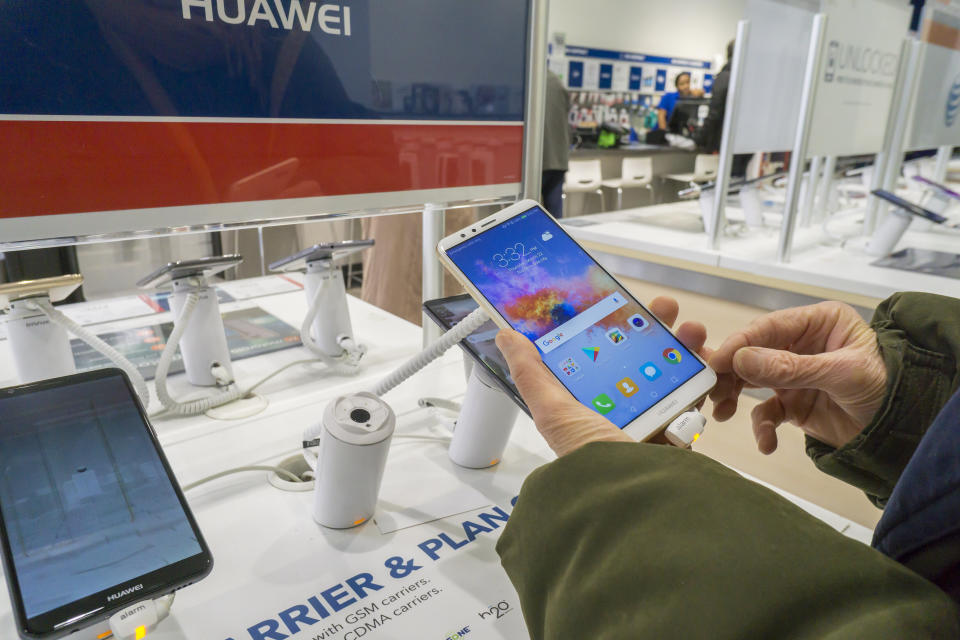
(473, 230)
(463, 235)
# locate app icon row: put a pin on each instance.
(627, 387)
(636, 321)
(571, 367)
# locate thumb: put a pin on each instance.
(538, 387)
(777, 369)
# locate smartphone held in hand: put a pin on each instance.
(606, 348)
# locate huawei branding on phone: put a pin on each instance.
(607, 349)
(91, 516)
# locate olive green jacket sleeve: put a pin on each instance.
(919, 338)
(620, 540)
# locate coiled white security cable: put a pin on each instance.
(163, 367)
(348, 361)
(311, 435)
(345, 364)
(56, 316)
(459, 332)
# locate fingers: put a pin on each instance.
(777, 369)
(693, 335)
(539, 388)
(777, 330)
(565, 424)
(725, 409)
(666, 309)
(725, 395)
(766, 417)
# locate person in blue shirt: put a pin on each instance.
(669, 100)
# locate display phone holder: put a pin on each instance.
(203, 345)
(40, 347)
(889, 232)
(324, 286)
(484, 425)
(330, 332)
(354, 442)
(752, 206)
(706, 209)
(939, 202)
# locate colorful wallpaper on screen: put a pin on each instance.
(606, 349)
(538, 285)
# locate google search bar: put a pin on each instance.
(553, 339)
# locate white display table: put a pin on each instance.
(672, 235)
(278, 574)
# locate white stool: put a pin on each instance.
(583, 176)
(704, 169)
(634, 173)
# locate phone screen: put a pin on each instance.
(605, 348)
(86, 502)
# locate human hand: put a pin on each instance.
(821, 360)
(566, 424)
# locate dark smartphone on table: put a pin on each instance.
(479, 345)
(909, 207)
(92, 518)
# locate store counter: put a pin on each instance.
(425, 567)
(667, 243)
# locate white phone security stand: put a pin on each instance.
(326, 330)
(706, 210)
(939, 202)
(41, 348)
(483, 428)
(204, 343)
(752, 206)
(39, 334)
(323, 284)
(889, 232)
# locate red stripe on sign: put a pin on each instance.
(72, 167)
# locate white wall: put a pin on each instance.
(697, 29)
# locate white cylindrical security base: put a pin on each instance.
(939, 202)
(706, 210)
(888, 234)
(41, 348)
(204, 343)
(484, 426)
(354, 444)
(332, 322)
(752, 207)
